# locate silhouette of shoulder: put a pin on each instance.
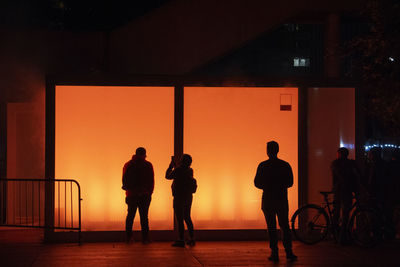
(273, 173)
(276, 163)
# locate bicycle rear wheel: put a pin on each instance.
(310, 224)
(365, 227)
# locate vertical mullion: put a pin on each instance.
(178, 122)
(72, 208)
(20, 202)
(178, 128)
(26, 202)
(302, 146)
(49, 184)
(65, 204)
(58, 204)
(32, 203)
(39, 202)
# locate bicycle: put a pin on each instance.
(312, 223)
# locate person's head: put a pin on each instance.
(140, 152)
(186, 160)
(342, 153)
(374, 154)
(272, 149)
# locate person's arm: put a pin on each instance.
(170, 173)
(259, 179)
(151, 181)
(289, 181)
(123, 177)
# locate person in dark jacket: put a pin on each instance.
(183, 186)
(138, 183)
(274, 176)
(346, 181)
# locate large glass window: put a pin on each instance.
(98, 129)
(331, 124)
(225, 131)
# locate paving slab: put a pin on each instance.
(29, 252)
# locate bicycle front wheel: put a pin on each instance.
(310, 224)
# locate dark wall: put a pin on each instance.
(27, 56)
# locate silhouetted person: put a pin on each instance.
(138, 183)
(346, 181)
(183, 186)
(274, 176)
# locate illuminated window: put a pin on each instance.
(301, 62)
(226, 130)
(98, 129)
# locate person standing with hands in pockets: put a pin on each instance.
(183, 186)
(138, 183)
(274, 176)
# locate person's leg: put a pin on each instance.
(132, 206)
(187, 205)
(337, 203)
(144, 204)
(178, 210)
(270, 218)
(283, 218)
(336, 209)
(346, 203)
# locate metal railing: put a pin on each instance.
(24, 205)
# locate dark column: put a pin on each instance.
(178, 131)
(3, 139)
(50, 158)
(332, 42)
(3, 160)
(360, 134)
(303, 147)
(178, 122)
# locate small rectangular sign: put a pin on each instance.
(286, 102)
(286, 107)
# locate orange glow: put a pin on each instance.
(226, 130)
(98, 129)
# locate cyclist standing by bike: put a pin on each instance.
(346, 181)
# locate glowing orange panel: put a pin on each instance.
(97, 131)
(226, 130)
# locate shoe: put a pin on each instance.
(191, 242)
(291, 257)
(274, 257)
(179, 243)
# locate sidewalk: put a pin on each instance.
(26, 253)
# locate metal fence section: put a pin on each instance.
(23, 204)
